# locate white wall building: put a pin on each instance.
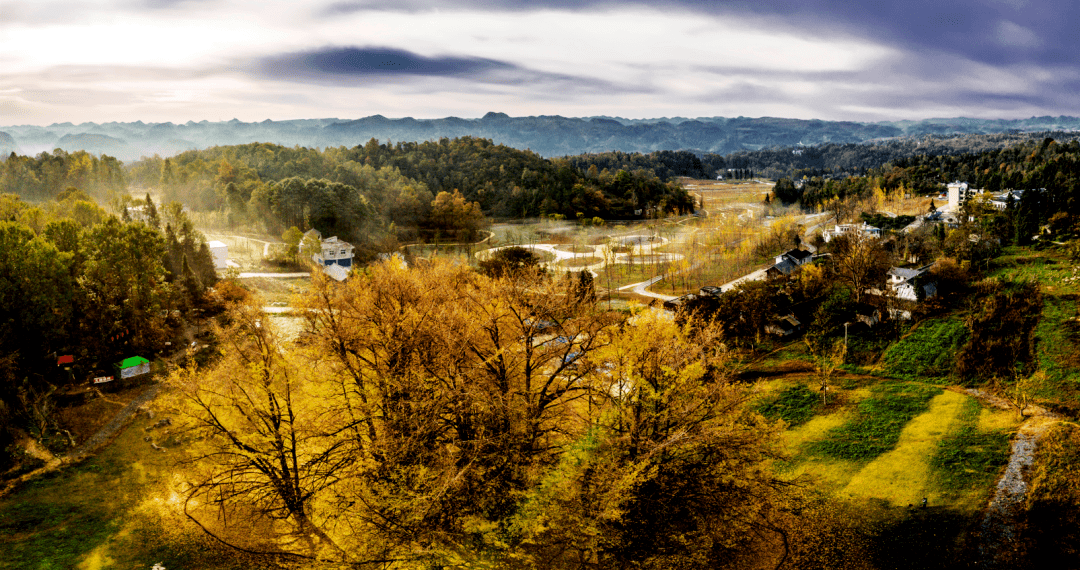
(841, 229)
(334, 252)
(902, 283)
(959, 192)
(220, 252)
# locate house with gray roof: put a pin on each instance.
(788, 262)
(902, 283)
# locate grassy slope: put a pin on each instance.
(1057, 336)
(890, 452)
(116, 510)
(953, 450)
(926, 353)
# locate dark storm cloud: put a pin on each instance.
(355, 65)
(346, 62)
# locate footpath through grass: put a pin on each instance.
(118, 509)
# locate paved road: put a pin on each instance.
(266, 244)
(643, 289)
(597, 251)
(278, 275)
(758, 275)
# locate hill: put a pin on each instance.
(547, 135)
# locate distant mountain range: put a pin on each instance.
(546, 135)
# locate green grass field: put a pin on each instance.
(926, 353)
(969, 457)
(879, 421)
(119, 509)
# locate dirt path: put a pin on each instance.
(92, 445)
(266, 244)
(997, 531)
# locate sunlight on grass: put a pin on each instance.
(829, 475)
(902, 476)
(770, 387)
(97, 559)
(995, 419)
(814, 429)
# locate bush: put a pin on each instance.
(1001, 330)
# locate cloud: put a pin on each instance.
(1013, 35)
(988, 31)
(346, 62)
(356, 65)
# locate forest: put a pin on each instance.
(76, 280)
(437, 417)
(407, 190)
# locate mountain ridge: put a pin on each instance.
(547, 135)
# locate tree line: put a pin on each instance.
(1046, 172)
(400, 184)
(76, 280)
(840, 160)
(46, 175)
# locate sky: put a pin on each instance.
(192, 60)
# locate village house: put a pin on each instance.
(220, 252)
(844, 229)
(784, 326)
(333, 255)
(959, 192)
(1001, 201)
(902, 283)
(788, 262)
(334, 251)
(867, 314)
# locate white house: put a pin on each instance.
(334, 252)
(842, 229)
(902, 282)
(220, 252)
(959, 192)
(1001, 201)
